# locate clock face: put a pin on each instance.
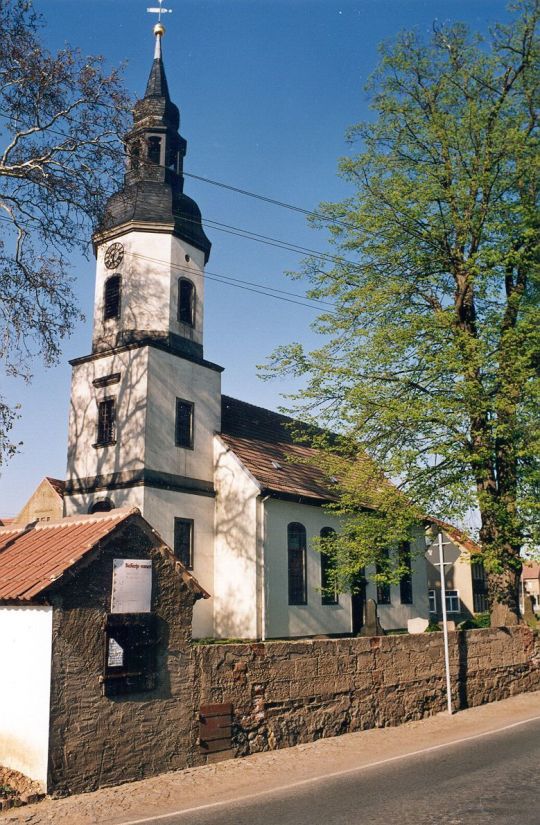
(114, 255)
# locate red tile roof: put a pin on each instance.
(263, 442)
(34, 556)
(457, 535)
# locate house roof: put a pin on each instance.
(35, 555)
(458, 536)
(57, 484)
(263, 442)
(530, 571)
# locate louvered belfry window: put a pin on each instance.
(111, 297)
(106, 430)
(296, 552)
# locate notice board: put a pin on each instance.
(131, 586)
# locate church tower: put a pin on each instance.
(145, 404)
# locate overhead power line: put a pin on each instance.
(238, 283)
(222, 185)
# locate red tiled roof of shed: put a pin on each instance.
(34, 556)
(262, 439)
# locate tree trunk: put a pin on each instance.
(503, 596)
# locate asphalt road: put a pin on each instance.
(493, 779)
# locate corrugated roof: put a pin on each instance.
(263, 442)
(33, 556)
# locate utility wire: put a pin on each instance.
(222, 185)
(207, 273)
(228, 280)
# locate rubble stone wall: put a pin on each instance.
(285, 693)
(97, 740)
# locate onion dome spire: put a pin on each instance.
(153, 189)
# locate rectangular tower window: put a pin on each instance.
(184, 424)
(106, 429)
(183, 541)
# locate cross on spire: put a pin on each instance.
(159, 11)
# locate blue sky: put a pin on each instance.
(266, 90)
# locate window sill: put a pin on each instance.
(100, 444)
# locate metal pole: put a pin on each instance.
(445, 625)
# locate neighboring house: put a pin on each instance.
(465, 578)
(530, 583)
(45, 504)
(95, 623)
(149, 426)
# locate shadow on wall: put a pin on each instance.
(237, 568)
(124, 452)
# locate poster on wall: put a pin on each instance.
(131, 586)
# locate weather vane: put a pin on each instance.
(159, 10)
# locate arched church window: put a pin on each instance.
(186, 302)
(102, 505)
(296, 558)
(328, 585)
(154, 149)
(135, 155)
(112, 297)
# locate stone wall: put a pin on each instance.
(285, 693)
(97, 740)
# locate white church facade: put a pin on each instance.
(215, 477)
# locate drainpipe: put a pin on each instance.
(261, 539)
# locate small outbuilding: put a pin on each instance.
(95, 630)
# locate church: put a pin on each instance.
(220, 480)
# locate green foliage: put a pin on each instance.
(433, 627)
(430, 365)
(479, 620)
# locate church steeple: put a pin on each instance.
(153, 190)
(157, 82)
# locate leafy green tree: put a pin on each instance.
(60, 118)
(430, 366)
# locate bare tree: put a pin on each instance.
(61, 116)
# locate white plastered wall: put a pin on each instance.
(152, 264)
(160, 508)
(282, 619)
(128, 453)
(25, 652)
(237, 609)
(171, 377)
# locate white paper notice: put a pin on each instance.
(131, 586)
(116, 654)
